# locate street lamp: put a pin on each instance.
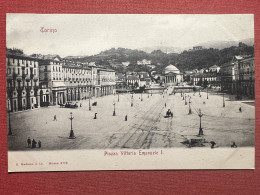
(189, 106)
(9, 119)
(148, 94)
(223, 100)
(118, 97)
(114, 112)
(71, 130)
(142, 96)
(185, 100)
(89, 106)
(200, 130)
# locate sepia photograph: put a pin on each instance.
(129, 91)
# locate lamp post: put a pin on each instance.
(199, 92)
(223, 99)
(89, 106)
(189, 106)
(118, 97)
(72, 136)
(148, 94)
(185, 100)
(114, 112)
(142, 96)
(207, 93)
(9, 119)
(132, 101)
(200, 129)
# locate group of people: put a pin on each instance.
(32, 143)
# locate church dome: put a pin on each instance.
(172, 69)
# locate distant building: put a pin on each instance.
(197, 48)
(151, 66)
(210, 77)
(172, 76)
(214, 68)
(145, 79)
(125, 64)
(133, 81)
(121, 81)
(144, 62)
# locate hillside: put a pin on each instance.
(187, 60)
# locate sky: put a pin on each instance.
(89, 34)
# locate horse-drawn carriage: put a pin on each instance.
(169, 113)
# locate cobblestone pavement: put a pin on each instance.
(146, 126)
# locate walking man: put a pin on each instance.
(33, 143)
(29, 142)
(55, 118)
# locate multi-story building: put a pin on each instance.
(244, 72)
(22, 82)
(37, 81)
(133, 81)
(238, 76)
(199, 78)
(52, 79)
(70, 81)
(106, 81)
(227, 73)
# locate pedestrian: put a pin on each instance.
(33, 143)
(233, 145)
(95, 117)
(29, 142)
(80, 104)
(165, 105)
(240, 109)
(125, 117)
(213, 144)
(39, 144)
(54, 118)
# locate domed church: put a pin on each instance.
(172, 75)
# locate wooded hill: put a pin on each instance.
(187, 60)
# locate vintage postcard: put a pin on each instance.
(130, 92)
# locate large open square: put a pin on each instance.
(146, 126)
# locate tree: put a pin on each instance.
(205, 83)
(136, 84)
(199, 83)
